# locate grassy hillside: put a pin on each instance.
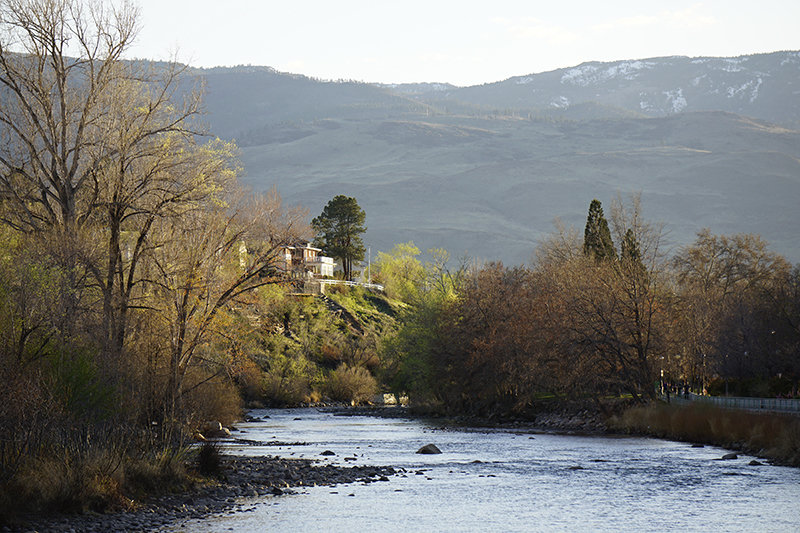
(492, 186)
(485, 170)
(317, 348)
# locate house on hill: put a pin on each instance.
(303, 260)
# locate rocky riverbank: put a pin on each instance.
(580, 420)
(241, 479)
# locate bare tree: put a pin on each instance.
(54, 108)
(92, 148)
(725, 283)
(209, 258)
(613, 314)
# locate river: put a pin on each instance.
(506, 480)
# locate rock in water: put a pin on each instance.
(429, 449)
(214, 430)
(327, 452)
(729, 456)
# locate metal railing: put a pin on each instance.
(775, 405)
(374, 286)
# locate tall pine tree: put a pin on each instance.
(338, 229)
(597, 241)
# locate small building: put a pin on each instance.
(303, 260)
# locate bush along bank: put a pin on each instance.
(771, 436)
(220, 483)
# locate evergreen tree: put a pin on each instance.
(630, 253)
(597, 241)
(629, 249)
(338, 231)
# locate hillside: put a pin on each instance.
(763, 86)
(469, 170)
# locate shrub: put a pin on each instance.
(73, 477)
(353, 384)
(288, 380)
(78, 386)
(250, 379)
(330, 355)
(282, 391)
(210, 397)
(156, 472)
(209, 459)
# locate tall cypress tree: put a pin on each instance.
(630, 247)
(630, 252)
(597, 241)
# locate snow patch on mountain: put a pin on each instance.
(586, 75)
(440, 87)
(676, 100)
(751, 88)
(524, 81)
(791, 58)
(732, 64)
(562, 102)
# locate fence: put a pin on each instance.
(775, 405)
(373, 286)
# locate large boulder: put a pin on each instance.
(212, 429)
(429, 449)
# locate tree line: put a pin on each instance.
(591, 319)
(127, 248)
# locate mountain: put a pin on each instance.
(759, 86)
(485, 170)
(255, 104)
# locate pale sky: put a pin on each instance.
(463, 42)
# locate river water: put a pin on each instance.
(522, 482)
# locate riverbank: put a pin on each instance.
(769, 436)
(568, 419)
(490, 479)
(239, 478)
(772, 437)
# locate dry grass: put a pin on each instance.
(100, 479)
(773, 436)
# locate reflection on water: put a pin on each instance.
(510, 481)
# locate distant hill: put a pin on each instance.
(251, 103)
(765, 86)
(484, 170)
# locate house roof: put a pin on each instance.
(303, 246)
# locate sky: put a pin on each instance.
(463, 42)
